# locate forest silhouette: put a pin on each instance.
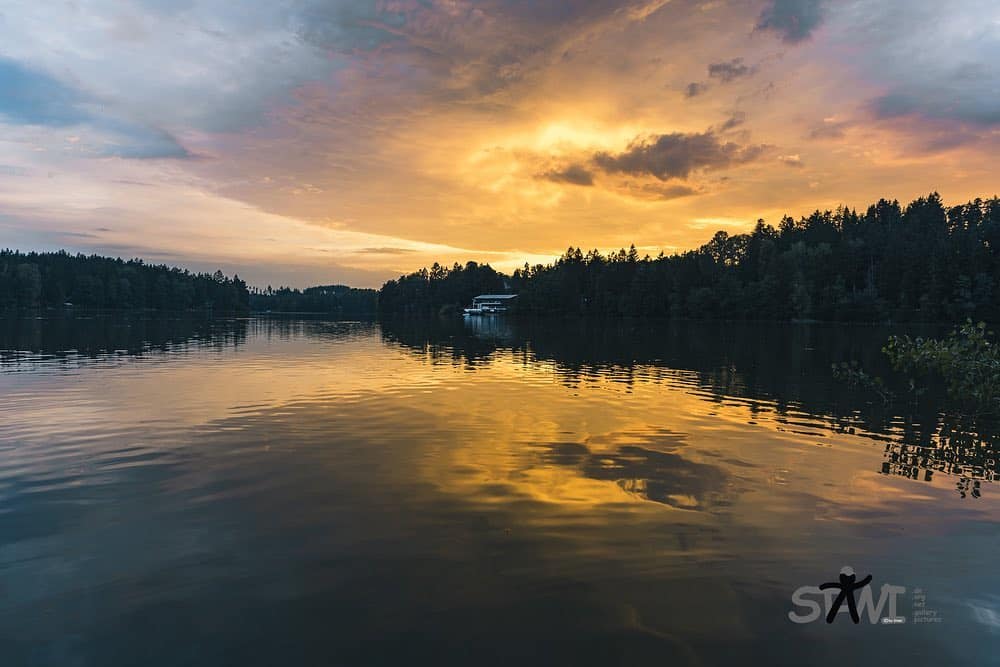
(56, 279)
(921, 262)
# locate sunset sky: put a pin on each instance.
(316, 141)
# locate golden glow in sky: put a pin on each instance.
(319, 141)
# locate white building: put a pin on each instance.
(489, 304)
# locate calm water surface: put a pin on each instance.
(178, 492)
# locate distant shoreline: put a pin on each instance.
(391, 317)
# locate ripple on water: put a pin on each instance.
(336, 483)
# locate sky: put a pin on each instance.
(302, 142)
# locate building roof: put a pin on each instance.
(496, 296)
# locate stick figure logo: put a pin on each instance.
(848, 584)
(809, 602)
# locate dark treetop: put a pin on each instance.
(33, 280)
(336, 300)
(923, 262)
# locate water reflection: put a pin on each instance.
(958, 448)
(66, 339)
(784, 369)
(650, 473)
(351, 493)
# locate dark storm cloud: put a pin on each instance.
(733, 121)
(694, 89)
(730, 70)
(676, 155)
(965, 104)
(793, 20)
(725, 72)
(574, 174)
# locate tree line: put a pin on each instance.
(57, 279)
(439, 289)
(337, 300)
(921, 262)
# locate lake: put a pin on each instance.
(178, 491)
